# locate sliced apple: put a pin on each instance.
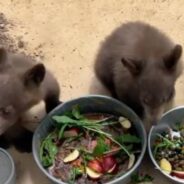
(72, 156)
(165, 165)
(95, 165)
(70, 133)
(125, 123)
(108, 163)
(131, 161)
(92, 174)
(178, 174)
(93, 144)
(112, 169)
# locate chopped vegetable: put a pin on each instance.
(75, 172)
(100, 148)
(139, 178)
(127, 138)
(48, 151)
(89, 125)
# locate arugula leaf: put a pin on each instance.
(160, 145)
(128, 138)
(73, 175)
(164, 143)
(137, 178)
(70, 139)
(76, 113)
(88, 157)
(100, 148)
(48, 151)
(64, 119)
(61, 132)
(70, 121)
(178, 126)
(129, 147)
(89, 125)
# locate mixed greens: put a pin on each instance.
(141, 178)
(89, 148)
(169, 151)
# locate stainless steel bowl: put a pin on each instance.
(91, 103)
(169, 119)
(7, 168)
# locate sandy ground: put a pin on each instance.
(69, 32)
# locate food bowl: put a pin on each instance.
(7, 168)
(168, 120)
(91, 103)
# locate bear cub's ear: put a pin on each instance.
(135, 67)
(172, 59)
(35, 75)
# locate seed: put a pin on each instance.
(171, 159)
(181, 162)
(176, 157)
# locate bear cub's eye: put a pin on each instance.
(5, 111)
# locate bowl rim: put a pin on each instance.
(181, 181)
(12, 172)
(127, 174)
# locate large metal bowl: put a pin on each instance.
(91, 103)
(169, 119)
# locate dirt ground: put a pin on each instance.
(68, 33)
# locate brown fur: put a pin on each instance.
(139, 65)
(23, 84)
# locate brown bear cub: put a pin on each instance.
(139, 65)
(23, 84)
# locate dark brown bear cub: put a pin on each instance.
(139, 65)
(23, 84)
